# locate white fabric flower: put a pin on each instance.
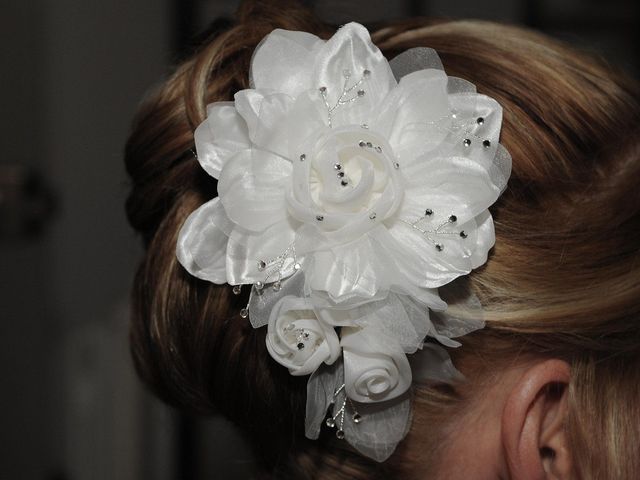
(371, 185)
(375, 367)
(297, 339)
(348, 192)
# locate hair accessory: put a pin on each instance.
(350, 189)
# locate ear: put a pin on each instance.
(533, 421)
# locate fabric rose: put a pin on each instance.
(328, 163)
(375, 367)
(297, 339)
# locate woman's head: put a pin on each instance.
(559, 292)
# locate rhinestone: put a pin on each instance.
(297, 266)
(277, 286)
(361, 93)
(319, 218)
(439, 247)
(467, 142)
(259, 285)
(372, 216)
(366, 72)
(244, 313)
(454, 113)
(340, 434)
(300, 346)
(453, 219)
(378, 149)
(261, 265)
(463, 234)
(369, 144)
(237, 289)
(428, 212)
(340, 174)
(480, 121)
(346, 73)
(344, 183)
(323, 89)
(337, 166)
(486, 144)
(305, 335)
(362, 144)
(357, 418)
(396, 165)
(330, 422)
(365, 126)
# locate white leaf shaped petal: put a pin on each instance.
(265, 115)
(202, 245)
(340, 68)
(251, 188)
(246, 248)
(220, 136)
(283, 62)
(415, 116)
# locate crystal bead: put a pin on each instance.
(237, 289)
(323, 89)
(453, 219)
(396, 165)
(300, 346)
(366, 72)
(428, 212)
(361, 93)
(340, 434)
(319, 218)
(259, 285)
(372, 216)
(244, 313)
(362, 144)
(466, 142)
(486, 144)
(262, 265)
(302, 157)
(337, 166)
(330, 422)
(357, 418)
(480, 121)
(277, 286)
(439, 247)
(463, 234)
(344, 183)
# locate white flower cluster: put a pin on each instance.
(373, 191)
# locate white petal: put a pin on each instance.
(283, 62)
(486, 238)
(266, 115)
(415, 116)
(251, 188)
(351, 50)
(246, 248)
(202, 245)
(220, 136)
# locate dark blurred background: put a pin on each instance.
(72, 74)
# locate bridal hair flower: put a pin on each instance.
(350, 189)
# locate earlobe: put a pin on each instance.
(533, 420)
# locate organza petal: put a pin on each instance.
(251, 188)
(222, 134)
(283, 62)
(202, 245)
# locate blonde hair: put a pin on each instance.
(561, 282)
